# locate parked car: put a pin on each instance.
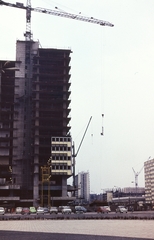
(53, 210)
(102, 209)
(18, 210)
(46, 210)
(25, 211)
(121, 209)
(80, 209)
(66, 210)
(32, 210)
(2, 210)
(131, 209)
(60, 208)
(40, 210)
(108, 208)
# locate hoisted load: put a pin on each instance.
(102, 133)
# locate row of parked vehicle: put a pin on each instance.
(63, 210)
(51, 210)
(106, 209)
(33, 210)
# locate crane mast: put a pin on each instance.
(28, 33)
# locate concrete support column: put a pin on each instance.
(64, 186)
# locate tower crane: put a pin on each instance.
(28, 55)
(58, 13)
(136, 177)
(137, 174)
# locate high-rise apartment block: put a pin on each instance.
(82, 183)
(34, 126)
(149, 181)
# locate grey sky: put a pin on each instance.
(112, 74)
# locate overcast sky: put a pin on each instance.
(112, 73)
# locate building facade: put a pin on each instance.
(149, 181)
(34, 110)
(82, 183)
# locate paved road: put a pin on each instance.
(55, 236)
(76, 230)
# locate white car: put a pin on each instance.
(2, 210)
(121, 209)
(18, 210)
(107, 208)
(40, 210)
(66, 210)
(53, 210)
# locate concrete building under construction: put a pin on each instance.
(34, 127)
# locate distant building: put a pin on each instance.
(82, 183)
(120, 194)
(133, 190)
(149, 181)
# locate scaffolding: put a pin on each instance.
(46, 174)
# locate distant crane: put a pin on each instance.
(74, 154)
(136, 177)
